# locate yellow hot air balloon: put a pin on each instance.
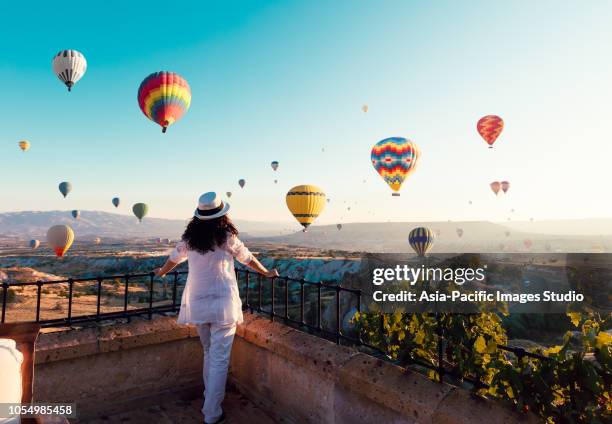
(60, 237)
(305, 202)
(24, 145)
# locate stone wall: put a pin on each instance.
(296, 377)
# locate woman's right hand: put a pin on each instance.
(272, 273)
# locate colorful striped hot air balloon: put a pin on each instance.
(421, 239)
(140, 210)
(505, 185)
(305, 202)
(60, 238)
(24, 145)
(490, 127)
(69, 66)
(395, 159)
(65, 187)
(495, 186)
(164, 97)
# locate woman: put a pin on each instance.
(210, 299)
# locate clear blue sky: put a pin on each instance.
(280, 80)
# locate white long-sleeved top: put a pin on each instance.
(211, 292)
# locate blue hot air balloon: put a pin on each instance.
(116, 201)
(65, 187)
(421, 239)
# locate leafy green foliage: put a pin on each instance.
(572, 387)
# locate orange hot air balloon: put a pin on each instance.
(490, 127)
(505, 185)
(495, 186)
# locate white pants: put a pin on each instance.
(217, 343)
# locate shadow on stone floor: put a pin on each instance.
(174, 409)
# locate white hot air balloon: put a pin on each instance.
(69, 66)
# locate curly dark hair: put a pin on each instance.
(204, 235)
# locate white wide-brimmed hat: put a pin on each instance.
(210, 206)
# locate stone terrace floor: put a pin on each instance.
(172, 409)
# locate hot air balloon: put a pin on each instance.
(274, 165)
(34, 243)
(507, 233)
(460, 232)
(229, 194)
(164, 97)
(140, 210)
(495, 186)
(75, 214)
(421, 239)
(395, 158)
(24, 145)
(116, 201)
(305, 202)
(241, 183)
(469, 202)
(327, 200)
(490, 127)
(60, 238)
(275, 181)
(65, 187)
(69, 66)
(339, 226)
(364, 108)
(528, 243)
(505, 185)
(97, 240)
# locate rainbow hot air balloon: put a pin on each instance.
(495, 186)
(241, 183)
(65, 187)
(69, 66)
(24, 145)
(274, 165)
(505, 185)
(394, 159)
(75, 214)
(116, 201)
(305, 202)
(421, 239)
(490, 127)
(140, 210)
(164, 97)
(60, 238)
(34, 244)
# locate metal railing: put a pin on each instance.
(256, 298)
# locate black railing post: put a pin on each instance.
(246, 297)
(126, 294)
(338, 324)
(359, 338)
(319, 287)
(383, 333)
(70, 288)
(272, 281)
(4, 299)
(38, 294)
(260, 293)
(286, 299)
(99, 299)
(174, 290)
(302, 300)
(151, 278)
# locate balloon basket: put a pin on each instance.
(395, 194)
